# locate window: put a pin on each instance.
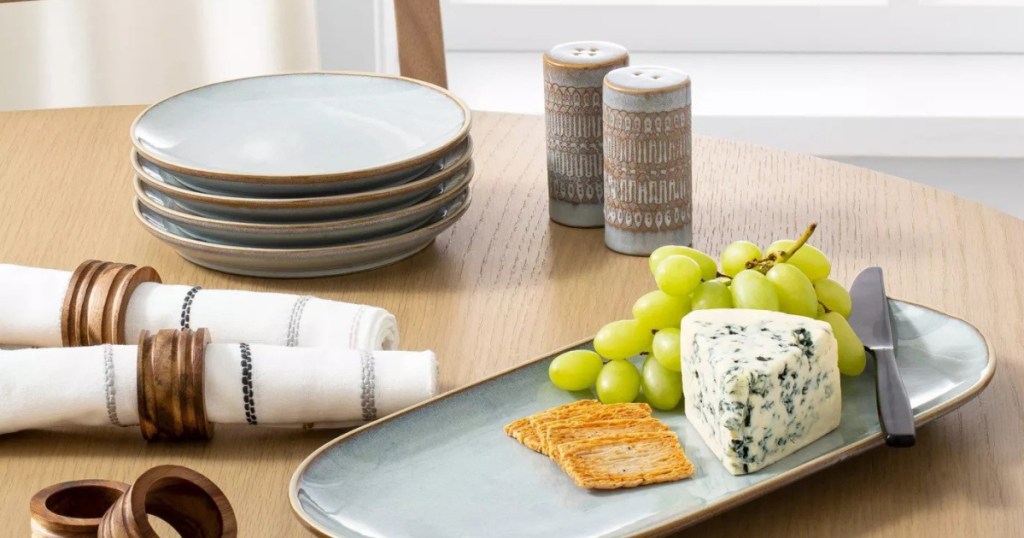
(970, 26)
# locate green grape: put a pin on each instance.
(808, 259)
(833, 296)
(778, 247)
(711, 294)
(666, 348)
(722, 280)
(622, 339)
(618, 382)
(821, 310)
(708, 268)
(851, 350)
(662, 387)
(795, 291)
(575, 370)
(658, 309)
(736, 255)
(751, 289)
(677, 275)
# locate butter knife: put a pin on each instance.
(871, 319)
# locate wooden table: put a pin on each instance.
(506, 285)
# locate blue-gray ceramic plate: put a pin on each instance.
(306, 262)
(445, 468)
(300, 235)
(301, 133)
(306, 208)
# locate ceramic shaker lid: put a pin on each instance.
(647, 79)
(586, 54)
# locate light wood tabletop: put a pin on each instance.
(506, 285)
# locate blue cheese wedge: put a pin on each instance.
(759, 385)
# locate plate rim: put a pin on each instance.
(307, 202)
(429, 204)
(174, 241)
(327, 177)
(746, 495)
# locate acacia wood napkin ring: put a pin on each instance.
(171, 386)
(96, 302)
(73, 508)
(188, 501)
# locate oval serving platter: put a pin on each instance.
(445, 468)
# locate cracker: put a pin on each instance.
(522, 430)
(626, 460)
(540, 421)
(572, 430)
(516, 428)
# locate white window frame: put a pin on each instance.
(856, 26)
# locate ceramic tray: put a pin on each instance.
(445, 468)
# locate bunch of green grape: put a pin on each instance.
(788, 276)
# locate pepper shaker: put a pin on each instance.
(573, 75)
(647, 159)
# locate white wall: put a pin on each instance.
(347, 34)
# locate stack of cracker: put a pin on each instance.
(605, 446)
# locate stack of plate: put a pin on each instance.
(302, 175)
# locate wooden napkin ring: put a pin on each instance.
(73, 509)
(96, 302)
(171, 386)
(74, 302)
(188, 501)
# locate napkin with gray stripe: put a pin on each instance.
(31, 300)
(254, 384)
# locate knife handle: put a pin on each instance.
(894, 411)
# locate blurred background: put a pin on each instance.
(930, 90)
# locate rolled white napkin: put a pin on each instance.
(96, 386)
(31, 300)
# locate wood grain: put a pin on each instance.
(506, 285)
(96, 302)
(171, 380)
(421, 41)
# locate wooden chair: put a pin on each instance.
(421, 40)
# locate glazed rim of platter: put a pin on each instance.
(788, 477)
(439, 201)
(432, 229)
(264, 129)
(414, 185)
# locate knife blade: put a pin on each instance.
(871, 319)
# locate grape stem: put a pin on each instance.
(772, 258)
(799, 242)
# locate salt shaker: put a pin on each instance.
(647, 159)
(573, 75)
